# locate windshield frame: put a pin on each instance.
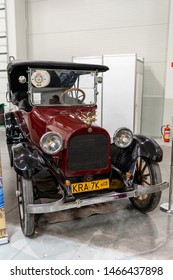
(32, 89)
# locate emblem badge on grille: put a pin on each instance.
(88, 178)
(90, 129)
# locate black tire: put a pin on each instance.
(25, 196)
(147, 173)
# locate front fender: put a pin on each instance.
(26, 162)
(141, 146)
(147, 147)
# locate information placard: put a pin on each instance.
(3, 233)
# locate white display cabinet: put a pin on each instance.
(120, 99)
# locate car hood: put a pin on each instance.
(63, 121)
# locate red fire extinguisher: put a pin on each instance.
(166, 132)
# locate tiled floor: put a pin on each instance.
(123, 234)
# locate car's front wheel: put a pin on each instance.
(25, 196)
(147, 173)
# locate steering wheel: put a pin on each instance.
(80, 95)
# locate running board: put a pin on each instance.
(61, 205)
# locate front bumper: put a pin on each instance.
(61, 205)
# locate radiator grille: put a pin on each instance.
(88, 152)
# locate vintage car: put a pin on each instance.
(53, 128)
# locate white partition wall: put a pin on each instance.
(138, 95)
(119, 93)
(120, 98)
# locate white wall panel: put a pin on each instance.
(152, 111)
(64, 16)
(148, 42)
(154, 79)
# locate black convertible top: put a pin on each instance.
(17, 68)
(15, 64)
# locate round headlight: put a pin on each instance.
(51, 143)
(123, 137)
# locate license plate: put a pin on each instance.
(90, 186)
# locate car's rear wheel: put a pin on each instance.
(25, 196)
(147, 173)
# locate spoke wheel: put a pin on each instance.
(147, 173)
(25, 196)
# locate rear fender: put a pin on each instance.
(25, 161)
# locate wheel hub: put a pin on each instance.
(138, 177)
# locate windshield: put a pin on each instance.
(52, 87)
